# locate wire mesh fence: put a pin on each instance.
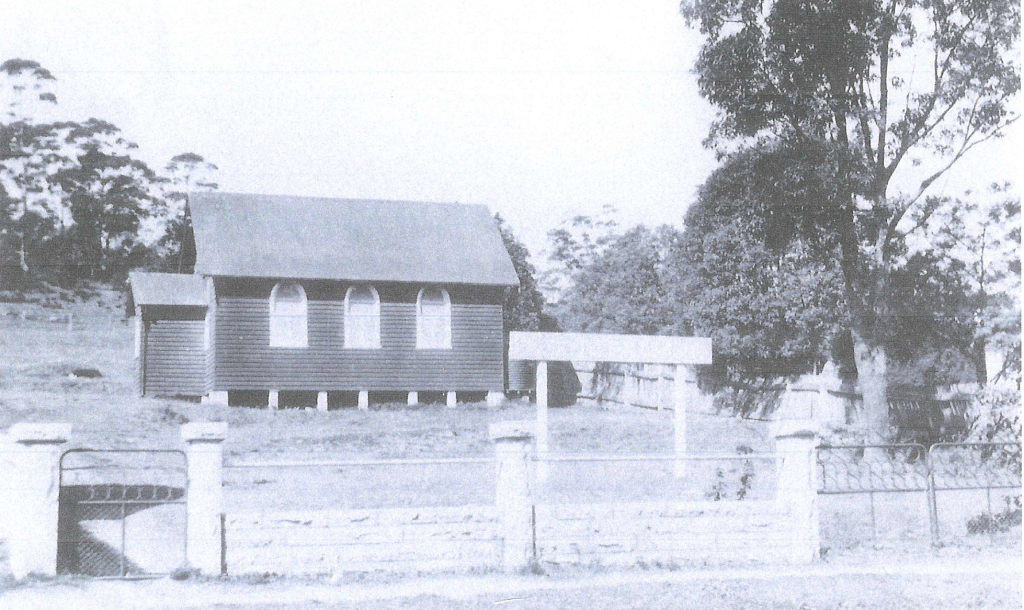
(122, 513)
(298, 482)
(599, 478)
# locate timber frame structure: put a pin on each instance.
(310, 302)
(685, 353)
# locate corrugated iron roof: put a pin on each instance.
(167, 289)
(347, 239)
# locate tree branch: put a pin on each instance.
(965, 147)
(921, 129)
(883, 108)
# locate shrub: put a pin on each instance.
(733, 482)
(995, 415)
(988, 523)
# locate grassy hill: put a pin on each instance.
(49, 335)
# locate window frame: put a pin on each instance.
(420, 331)
(375, 343)
(299, 343)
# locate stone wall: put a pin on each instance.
(662, 533)
(6, 463)
(509, 535)
(394, 540)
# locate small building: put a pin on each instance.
(308, 301)
(170, 333)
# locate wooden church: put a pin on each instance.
(300, 301)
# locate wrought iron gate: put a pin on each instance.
(122, 512)
(940, 471)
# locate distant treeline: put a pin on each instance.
(75, 201)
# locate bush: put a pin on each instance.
(732, 481)
(995, 415)
(988, 523)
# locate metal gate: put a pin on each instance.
(122, 512)
(947, 474)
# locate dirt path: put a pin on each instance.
(164, 593)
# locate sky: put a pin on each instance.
(540, 110)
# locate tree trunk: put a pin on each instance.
(22, 260)
(980, 366)
(871, 377)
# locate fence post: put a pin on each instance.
(33, 497)
(205, 499)
(512, 440)
(541, 431)
(630, 383)
(685, 393)
(933, 500)
(797, 487)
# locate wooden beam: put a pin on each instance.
(541, 431)
(609, 348)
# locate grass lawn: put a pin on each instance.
(36, 385)
(950, 584)
(877, 592)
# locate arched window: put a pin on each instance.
(288, 316)
(433, 319)
(362, 318)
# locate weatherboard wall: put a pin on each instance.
(173, 356)
(244, 359)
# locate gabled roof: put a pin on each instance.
(347, 239)
(167, 289)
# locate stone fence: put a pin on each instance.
(822, 397)
(512, 534)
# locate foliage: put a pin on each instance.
(187, 172)
(524, 306)
(108, 193)
(753, 399)
(772, 299)
(934, 324)
(574, 244)
(620, 289)
(27, 149)
(995, 413)
(771, 302)
(75, 201)
(977, 238)
(724, 487)
(1003, 521)
(825, 78)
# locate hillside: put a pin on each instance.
(51, 335)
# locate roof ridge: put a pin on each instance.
(271, 196)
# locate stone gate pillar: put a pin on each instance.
(205, 500)
(797, 492)
(512, 448)
(32, 497)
